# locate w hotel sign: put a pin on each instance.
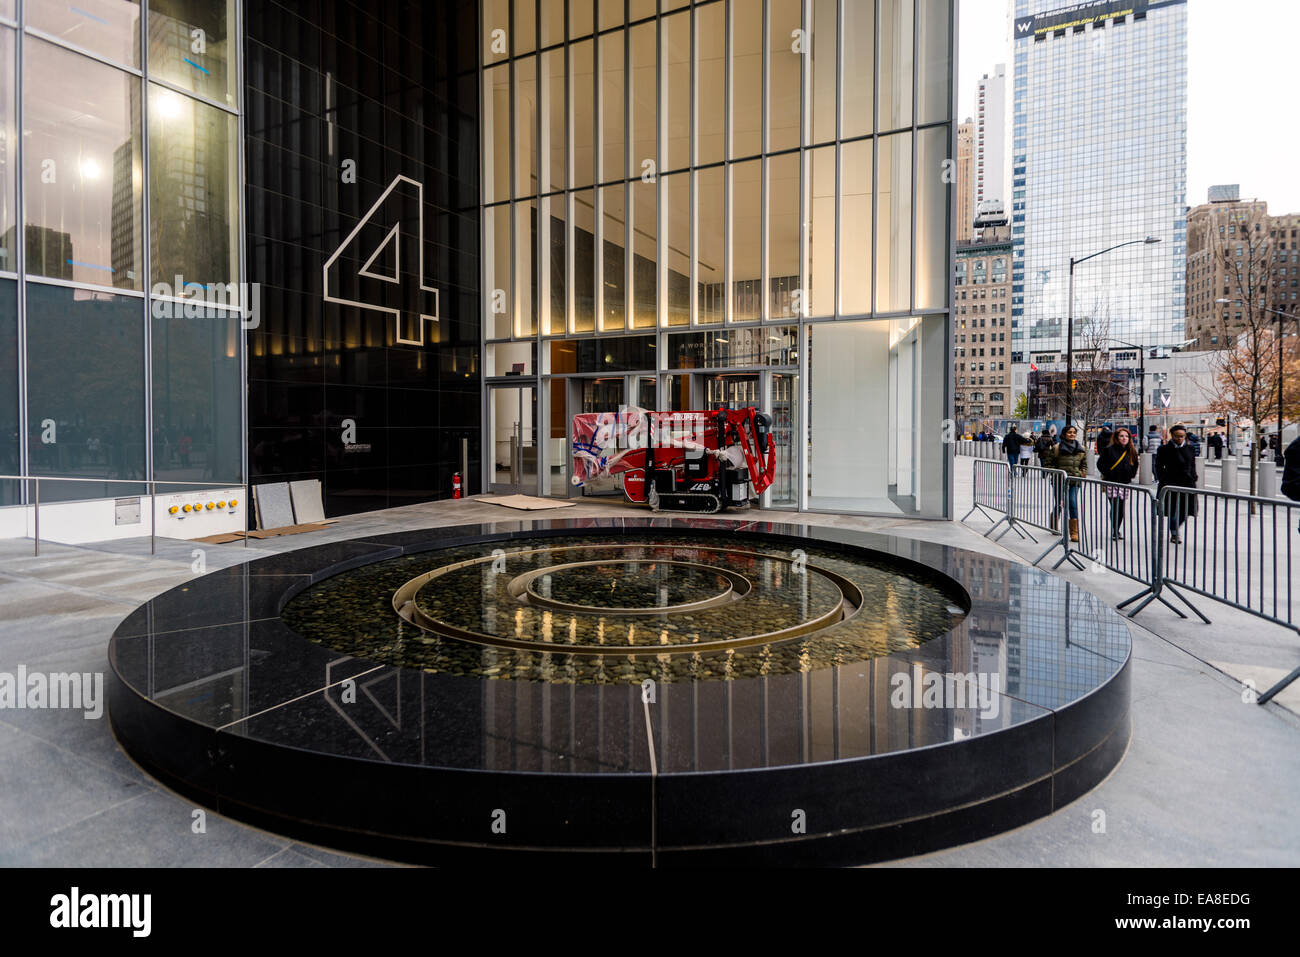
(1076, 15)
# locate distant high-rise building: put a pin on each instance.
(1098, 158)
(981, 300)
(1234, 243)
(965, 180)
(992, 172)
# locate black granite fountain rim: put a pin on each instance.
(301, 572)
(859, 807)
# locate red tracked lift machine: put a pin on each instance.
(685, 461)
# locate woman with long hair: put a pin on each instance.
(1118, 463)
(1072, 459)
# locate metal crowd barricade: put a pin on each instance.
(1024, 494)
(1237, 549)
(1117, 531)
(992, 491)
(1034, 492)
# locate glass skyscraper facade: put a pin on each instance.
(121, 245)
(736, 202)
(1099, 157)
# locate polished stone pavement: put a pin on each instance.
(1208, 780)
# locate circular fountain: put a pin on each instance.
(634, 691)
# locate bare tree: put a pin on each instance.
(1095, 391)
(1246, 372)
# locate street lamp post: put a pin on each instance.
(1281, 367)
(1142, 389)
(1069, 323)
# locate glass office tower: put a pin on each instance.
(120, 245)
(722, 204)
(1099, 157)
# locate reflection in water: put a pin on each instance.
(353, 612)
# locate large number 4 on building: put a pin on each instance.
(380, 265)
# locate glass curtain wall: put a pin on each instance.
(120, 246)
(776, 172)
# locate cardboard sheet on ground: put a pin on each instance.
(528, 503)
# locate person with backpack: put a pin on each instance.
(1043, 448)
(1118, 463)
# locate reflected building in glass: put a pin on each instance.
(125, 176)
(1099, 157)
(756, 197)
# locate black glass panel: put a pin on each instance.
(362, 168)
(85, 390)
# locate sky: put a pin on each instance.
(1243, 94)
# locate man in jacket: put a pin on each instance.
(1215, 442)
(1011, 445)
(1291, 470)
(1176, 468)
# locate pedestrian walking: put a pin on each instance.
(1215, 442)
(1026, 449)
(1072, 459)
(1153, 439)
(1118, 463)
(1043, 447)
(1011, 443)
(1176, 468)
(1291, 471)
(1103, 439)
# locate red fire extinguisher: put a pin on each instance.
(455, 485)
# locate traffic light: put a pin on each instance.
(1220, 422)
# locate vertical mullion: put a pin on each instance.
(838, 91)
(875, 159)
(805, 167)
(916, 68)
(629, 212)
(570, 175)
(511, 177)
(765, 280)
(661, 164)
(692, 160)
(542, 254)
(728, 314)
(597, 169)
(245, 289)
(146, 251)
(485, 317)
(20, 257)
(950, 240)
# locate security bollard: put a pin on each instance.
(1267, 480)
(1228, 479)
(1148, 468)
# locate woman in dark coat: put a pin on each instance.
(1118, 463)
(1176, 468)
